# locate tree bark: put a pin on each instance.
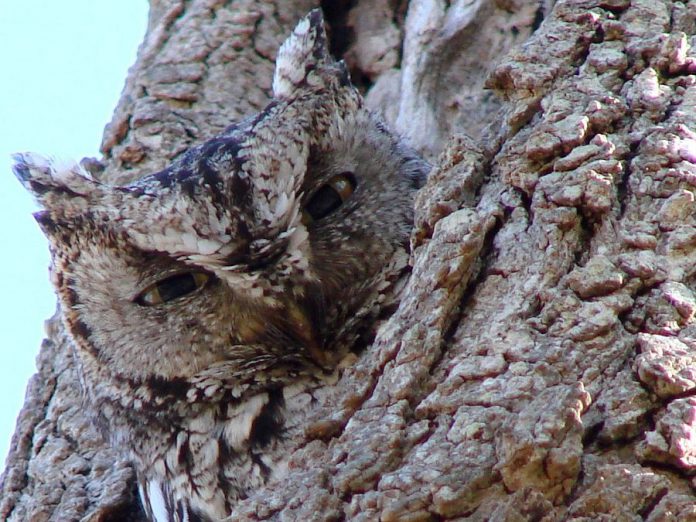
(541, 364)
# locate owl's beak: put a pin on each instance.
(304, 329)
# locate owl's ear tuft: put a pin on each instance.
(42, 175)
(45, 221)
(304, 59)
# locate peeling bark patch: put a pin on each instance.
(673, 441)
(619, 491)
(666, 365)
(541, 446)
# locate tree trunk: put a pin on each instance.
(542, 362)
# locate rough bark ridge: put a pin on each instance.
(541, 363)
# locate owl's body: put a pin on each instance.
(207, 302)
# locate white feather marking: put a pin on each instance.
(238, 428)
(66, 171)
(288, 73)
(281, 205)
(33, 160)
(302, 27)
(189, 241)
(141, 492)
(182, 206)
(57, 171)
(201, 423)
(157, 504)
(297, 238)
(207, 246)
(211, 262)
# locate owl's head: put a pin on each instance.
(254, 251)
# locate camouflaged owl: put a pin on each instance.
(206, 301)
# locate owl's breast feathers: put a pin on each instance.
(222, 456)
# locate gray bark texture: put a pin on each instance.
(542, 362)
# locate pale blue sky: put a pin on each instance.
(63, 68)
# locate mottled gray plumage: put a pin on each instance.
(208, 300)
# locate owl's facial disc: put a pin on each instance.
(267, 244)
(328, 198)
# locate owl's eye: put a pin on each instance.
(329, 197)
(171, 288)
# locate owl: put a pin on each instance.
(207, 301)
